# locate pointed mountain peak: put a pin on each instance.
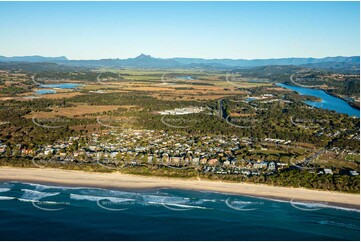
(143, 56)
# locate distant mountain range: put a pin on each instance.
(147, 61)
(35, 58)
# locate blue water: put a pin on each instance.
(61, 85)
(258, 81)
(249, 99)
(184, 77)
(40, 212)
(45, 91)
(328, 102)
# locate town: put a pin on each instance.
(114, 149)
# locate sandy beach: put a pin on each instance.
(124, 181)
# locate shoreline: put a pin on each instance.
(118, 180)
(351, 104)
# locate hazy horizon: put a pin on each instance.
(209, 30)
(194, 57)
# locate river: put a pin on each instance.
(327, 101)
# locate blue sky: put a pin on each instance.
(250, 30)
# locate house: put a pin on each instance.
(113, 154)
(26, 151)
(150, 159)
(233, 162)
(260, 165)
(327, 171)
(353, 173)
(2, 148)
(255, 173)
(227, 163)
(203, 161)
(78, 153)
(176, 160)
(195, 161)
(281, 165)
(212, 162)
(272, 166)
(246, 172)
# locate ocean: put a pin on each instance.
(47, 212)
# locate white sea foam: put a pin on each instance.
(6, 185)
(156, 199)
(37, 201)
(98, 198)
(172, 202)
(41, 187)
(107, 193)
(4, 189)
(83, 190)
(312, 205)
(152, 199)
(6, 198)
(338, 224)
(27, 200)
(178, 205)
(33, 195)
(242, 204)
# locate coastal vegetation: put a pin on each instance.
(243, 127)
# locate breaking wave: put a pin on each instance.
(33, 195)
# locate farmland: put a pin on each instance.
(244, 125)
